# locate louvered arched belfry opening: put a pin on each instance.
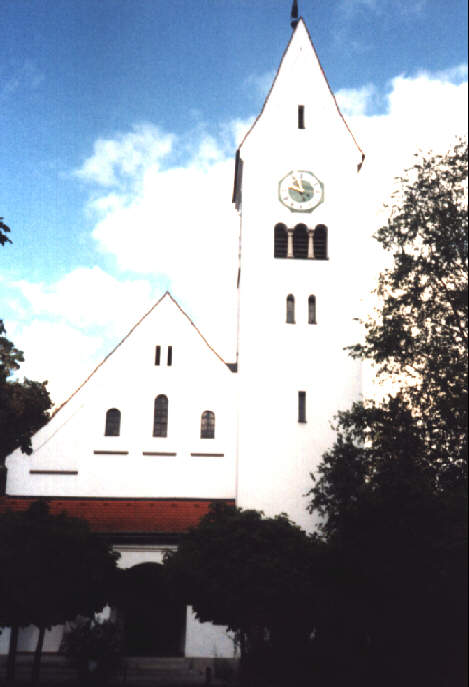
(280, 241)
(320, 242)
(300, 241)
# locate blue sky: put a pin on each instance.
(100, 99)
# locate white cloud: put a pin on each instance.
(175, 224)
(126, 155)
(90, 298)
(57, 353)
(355, 101)
(183, 227)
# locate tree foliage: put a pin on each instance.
(23, 405)
(4, 230)
(255, 575)
(419, 336)
(52, 568)
(243, 570)
(392, 489)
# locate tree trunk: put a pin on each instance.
(37, 656)
(10, 676)
(3, 479)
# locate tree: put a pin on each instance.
(4, 229)
(419, 336)
(23, 405)
(52, 568)
(253, 574)
(392, 489)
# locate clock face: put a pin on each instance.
(301, 191)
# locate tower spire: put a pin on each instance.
(294, 14)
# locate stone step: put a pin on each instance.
(135, 671)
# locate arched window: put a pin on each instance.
(312, 310)
(207, 425)
(280, 241)
(320, 242)
(300, 241)
(290, 309)
(113, 423)
(160, 417)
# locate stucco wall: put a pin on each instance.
(129, 381)
(276, 359)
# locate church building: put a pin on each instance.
(163, 426)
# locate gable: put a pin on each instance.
(300, 80)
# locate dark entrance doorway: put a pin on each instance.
(154, 618)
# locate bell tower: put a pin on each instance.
(296, 193)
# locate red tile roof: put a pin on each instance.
(119, 515)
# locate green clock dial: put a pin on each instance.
(301, 191)
(301, 194)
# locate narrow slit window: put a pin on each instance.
(301, 117)
(113, 423)
(302, 406)
(170, 355)
(207, 425)
(290, 309)
(312, 310)
(157, 355)
(160, 418)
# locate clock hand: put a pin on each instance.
(299, 185)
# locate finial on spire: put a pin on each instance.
(294, 14)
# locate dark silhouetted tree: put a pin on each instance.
(253, 574)
(392, 489)
(4, 230)
(23, 405)
(52, 568)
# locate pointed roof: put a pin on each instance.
(301, 33)
(129, 333)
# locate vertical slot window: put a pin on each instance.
(290, 309)
(170, 356)
(302, 406)
(312, 310)
(157, 355)
(301, 117)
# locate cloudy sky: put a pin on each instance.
(118, 124)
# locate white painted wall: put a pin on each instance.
(206, 640)
(27, 639)
(129, 380)
(276, 359)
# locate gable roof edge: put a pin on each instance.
(166, 293)
(301, 21)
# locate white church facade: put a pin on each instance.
(164, 426)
